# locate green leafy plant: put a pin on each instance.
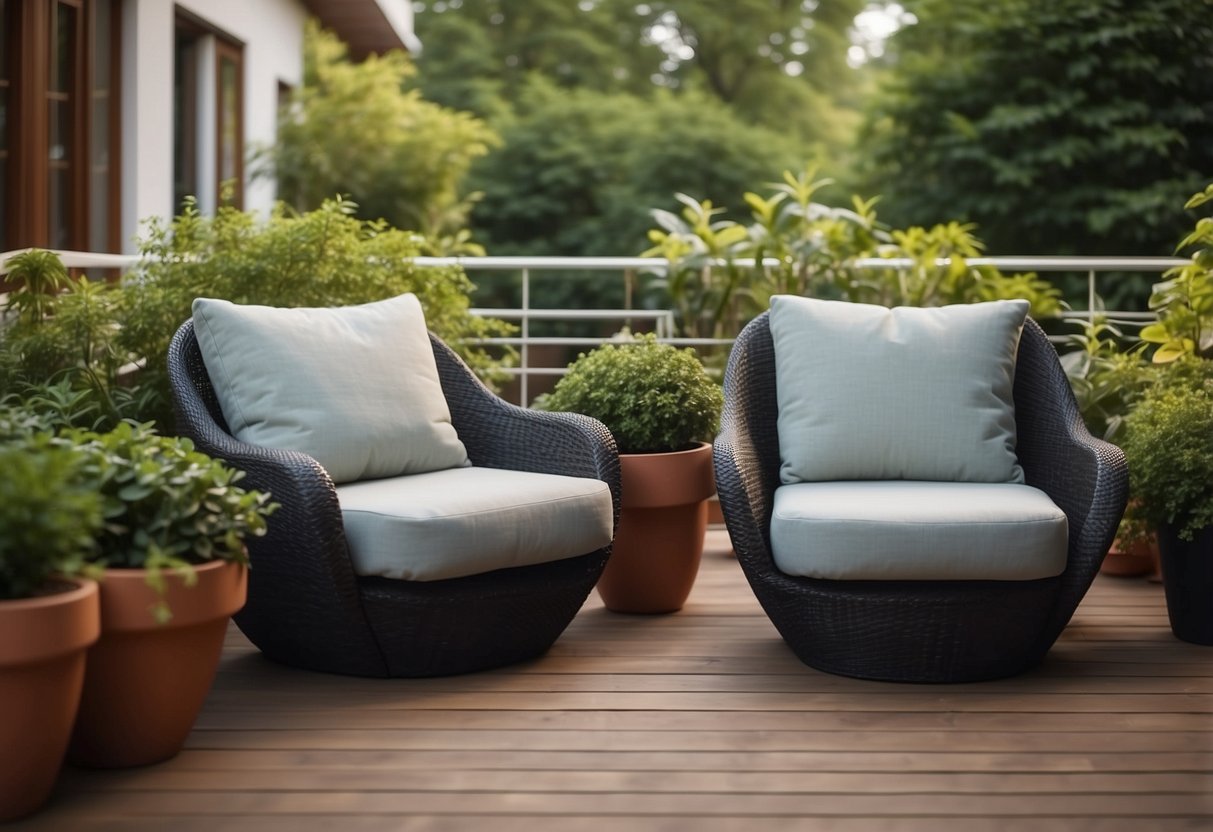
(1184, 300)
(1169, 446)
(1107, 378)
(652, 396)
(803, 247)
(325, 257)
(62, 352)
(49, 511)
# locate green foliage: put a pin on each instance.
(165, 504)
(782, 65)
(1107, 379)
(576, 164)
(814, 248)
(1184, 300)
(49, 513)
(1061, 126)
(353, 128)
(325, 257)
(652, 396)
(1169, 446)
(62, 353)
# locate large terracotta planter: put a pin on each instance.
(43, 642)
(659, 541)
(147, 681)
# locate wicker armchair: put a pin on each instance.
(306, 606)
(922, 631)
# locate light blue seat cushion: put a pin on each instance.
(907, 530)
(870, 393)
(464, 521)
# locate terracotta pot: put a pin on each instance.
(1136, 559)
(661, 526)
(43, 643)
(147, 681)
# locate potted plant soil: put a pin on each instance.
(662, 408)
(172, 545)
(49, 614)
(1169, 447)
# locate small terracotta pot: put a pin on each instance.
(1136, 559)
(659, 542)
(147, 681)
(43, 643)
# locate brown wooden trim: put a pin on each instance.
(28, 225)
(115, 125)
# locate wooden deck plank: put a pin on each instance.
(700, 721)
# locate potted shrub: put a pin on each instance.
(1169, 447)
(172, 545)
(662, 408)
(48, 613)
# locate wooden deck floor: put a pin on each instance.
(700, 721)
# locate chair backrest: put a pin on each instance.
(751, 399)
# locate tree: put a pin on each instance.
(579, 170)
(1058, 126)
(781, 63)
(352, 129)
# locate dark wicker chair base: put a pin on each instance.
(307, 608)
(912, 631)
(921, 631)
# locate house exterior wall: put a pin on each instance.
(271, 32)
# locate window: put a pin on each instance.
(59, 128)
(208, 115)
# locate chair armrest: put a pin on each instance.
(746, 451)
(1086, 477)
(300, 571)
(498, 434)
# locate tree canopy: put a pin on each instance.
(1059, 126)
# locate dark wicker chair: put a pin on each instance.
(922, 631)
(307, 608)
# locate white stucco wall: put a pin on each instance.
(272, 34)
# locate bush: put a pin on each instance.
(1169, 447)
(325, 257)
(653, 397)
(49, 512)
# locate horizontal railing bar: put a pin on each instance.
(570, 314)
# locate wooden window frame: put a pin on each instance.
(29, 166)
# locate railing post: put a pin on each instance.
(523, 386)
(1091, 297)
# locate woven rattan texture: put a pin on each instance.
(307, 608)
(921, 631)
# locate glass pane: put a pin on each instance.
(58, 207)
(63, 54)
(185, 107)
(102, 42)
(229, 143)
(61, 130)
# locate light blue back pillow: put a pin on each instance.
(871, 393)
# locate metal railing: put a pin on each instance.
(662, 321)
